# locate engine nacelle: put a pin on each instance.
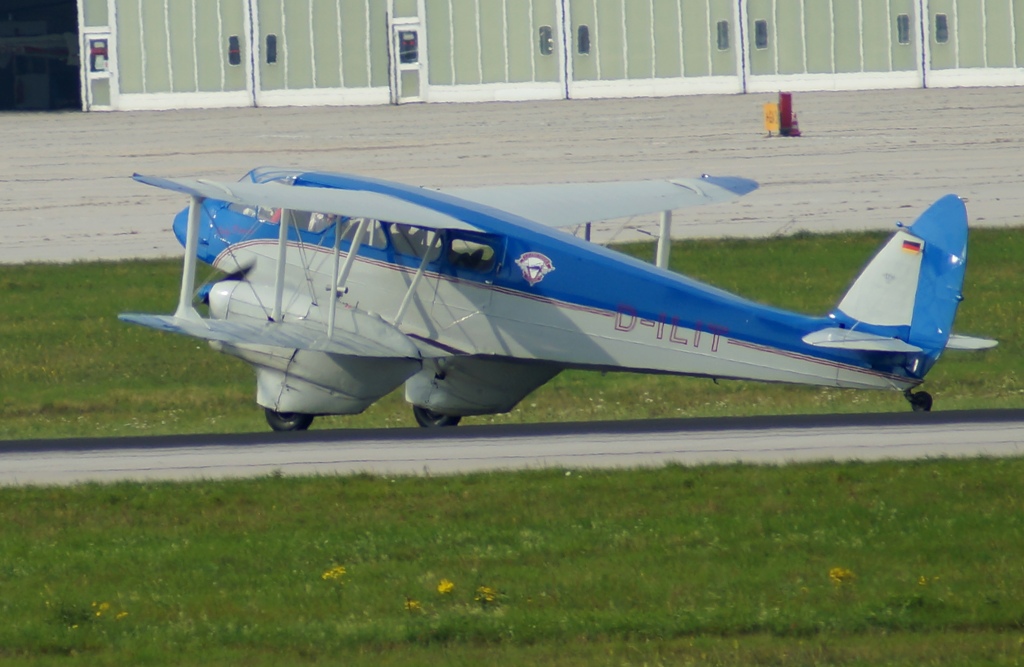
(240, 298)
(475, 385)
(317, 383)
(304, 381)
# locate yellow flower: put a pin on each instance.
(101, 607)
(413, 606)
(840, 575)
(486, 595)
(334, 574)
(121, 615)
(444, 587)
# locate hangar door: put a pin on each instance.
(490, 50)
(207, 53)
(654, 47)
(179, 53)
(320, 52)
(832, 44)
(975, 42)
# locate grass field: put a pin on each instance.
(68, 367)
(884, 564)
(826, 564)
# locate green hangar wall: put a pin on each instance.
(159, 54)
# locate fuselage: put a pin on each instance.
(519, 290)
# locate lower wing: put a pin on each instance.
(358, 334)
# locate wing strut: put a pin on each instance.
(664, 240)
(415, 280)
(188, 272)
(340, 277)
(282, 256)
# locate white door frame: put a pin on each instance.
(87, 75)
(395, 27)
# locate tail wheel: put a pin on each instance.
(288, 421)
(429, 419)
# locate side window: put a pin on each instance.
(321, 222)
(408, 47)
(547, 43)
(374, 236)
(941, 29)
(271, 49)
(761, 34)
(234, 51)
(299, 219)
(271, 215)
(471, 254)
(415, 241)
(723, 35)
(583, 40)
(903, 29)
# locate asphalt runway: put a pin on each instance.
(574, 447)
(866, 160)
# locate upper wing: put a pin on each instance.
(559, 205)
(350, 203)
(568, 204)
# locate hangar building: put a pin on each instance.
(162, 54)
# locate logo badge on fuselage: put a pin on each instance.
(534, 266)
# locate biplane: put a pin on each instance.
(338, 289)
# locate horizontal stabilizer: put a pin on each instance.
(349, 203)
(849, 339)
(291, 335)
(569, 204)
(958, 342)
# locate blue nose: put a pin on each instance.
(180, 227)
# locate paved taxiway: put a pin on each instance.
(866, 160)
(763, 440)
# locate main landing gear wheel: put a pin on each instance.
(920, 401)
(288, 421)
(429, 419)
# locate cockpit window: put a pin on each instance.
(274, 216)
(317, 223)
(243, 209)
(415, 241)
(471, 255)
(261, 213)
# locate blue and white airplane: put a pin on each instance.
(340, 288)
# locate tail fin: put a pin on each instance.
(911, 289)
